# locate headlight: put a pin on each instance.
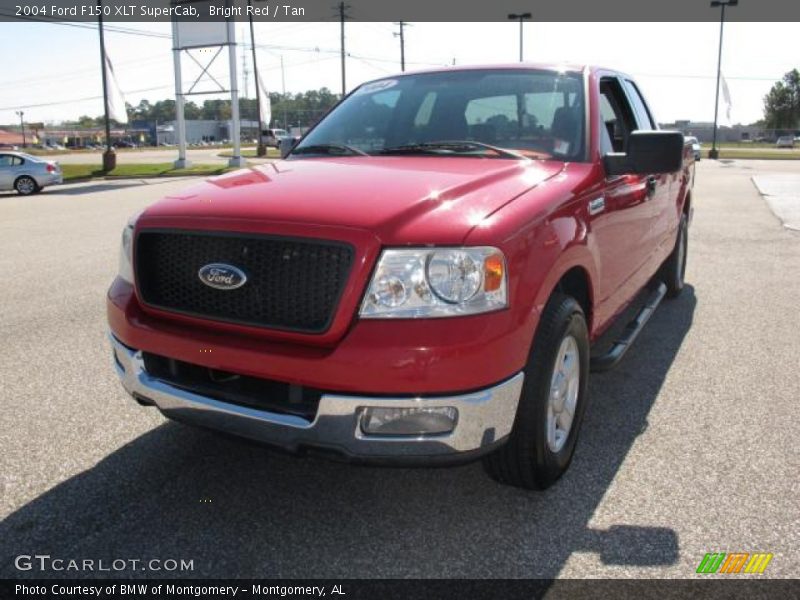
(436, 282)
(126, 252)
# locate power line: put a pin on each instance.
(67, 75)
(84, 25)
(688, 76)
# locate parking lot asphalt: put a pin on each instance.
(690, 446)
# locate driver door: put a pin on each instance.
(621, 218)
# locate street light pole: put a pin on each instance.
(261, 149)
(21, 114)
(714, 153)
(109, 157)
(521, 18)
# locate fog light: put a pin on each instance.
(417, 420)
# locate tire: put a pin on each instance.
(26, 186)
(534, 456)
(674, 268)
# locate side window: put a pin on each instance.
(616, 114)
(6, 160)
(17, 161)
(643, 115)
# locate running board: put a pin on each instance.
(611, 359)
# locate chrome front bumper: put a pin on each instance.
(484, 417)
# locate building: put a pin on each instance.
(10, 138)
(704, 131)
(198, 131)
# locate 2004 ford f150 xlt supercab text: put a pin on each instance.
(420, 278)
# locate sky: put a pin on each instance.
(675, 63)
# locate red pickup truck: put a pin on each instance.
(421, 279)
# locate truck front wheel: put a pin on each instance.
(553, 400)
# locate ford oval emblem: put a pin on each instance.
(221, 276)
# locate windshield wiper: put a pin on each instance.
(326, 149)
(454, 146)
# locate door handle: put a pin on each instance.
(651, 185)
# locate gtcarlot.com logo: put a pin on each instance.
(734, 562)
(45, 562)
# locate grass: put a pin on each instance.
(271, 153)
(73, 172)
(43, 152)
(753, 150)
(771, 153)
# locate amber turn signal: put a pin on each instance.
(493, 271)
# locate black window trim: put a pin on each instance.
(630, 88)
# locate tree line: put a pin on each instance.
(293, 110)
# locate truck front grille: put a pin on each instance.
(292, 284)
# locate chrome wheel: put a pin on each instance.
(564, 387)
(26, 185)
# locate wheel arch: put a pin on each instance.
(26, 175)
(575, 278)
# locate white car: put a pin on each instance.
(272, 137)
(695, 146)
(27, 174)
(785, 141)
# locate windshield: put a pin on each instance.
(531, 113)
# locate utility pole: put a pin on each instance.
(402, 45)
(261, 149)
(714, 153)
(521, 17)
(342, 17)
(21, 114)
(109, 156)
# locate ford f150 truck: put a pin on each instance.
(421, 279)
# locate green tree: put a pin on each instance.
(86, 121)
(782, 104)
(191, 111)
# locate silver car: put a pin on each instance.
(27, 174)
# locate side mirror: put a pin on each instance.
(285, 144)
(647, 152)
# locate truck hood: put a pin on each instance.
(400, 200)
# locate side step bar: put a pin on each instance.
(610, 359)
